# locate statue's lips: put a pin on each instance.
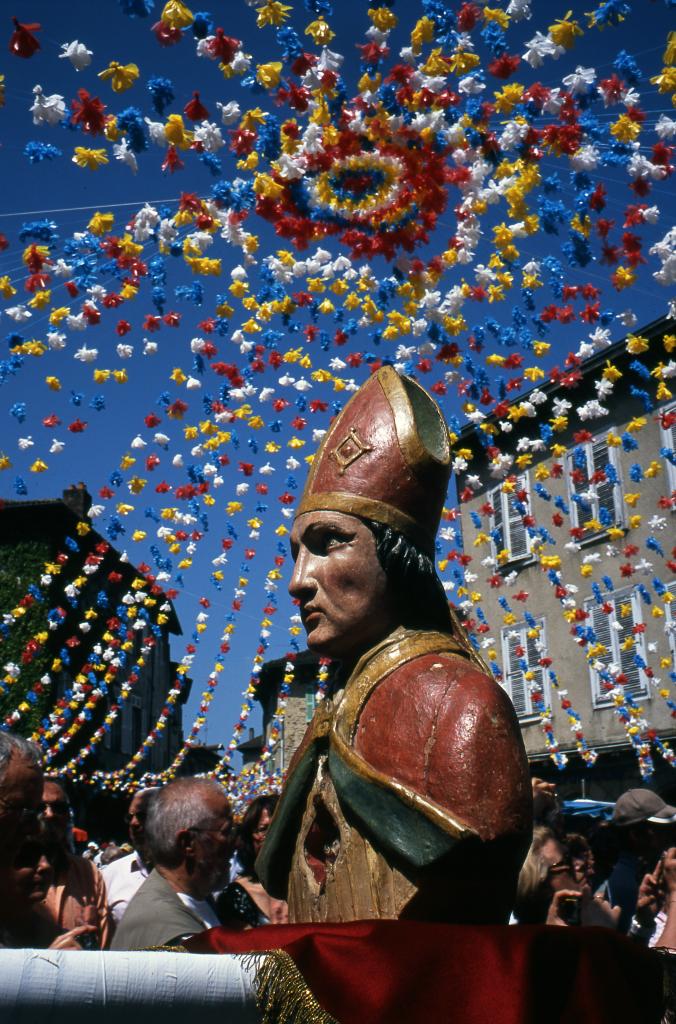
(310, 616)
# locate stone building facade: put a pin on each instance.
(300, 707)
(612, 555)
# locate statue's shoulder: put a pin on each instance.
(437, 723)
(420, 672)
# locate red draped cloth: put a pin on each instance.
(409, 972)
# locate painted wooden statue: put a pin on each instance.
(409, 796)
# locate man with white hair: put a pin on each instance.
(189, 835)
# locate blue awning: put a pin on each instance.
(591, 808)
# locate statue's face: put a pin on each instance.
(341, 588)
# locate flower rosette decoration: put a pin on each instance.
(379, 190)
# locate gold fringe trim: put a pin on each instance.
(163, 949)
(282, 996)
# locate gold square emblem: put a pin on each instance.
(349, 450)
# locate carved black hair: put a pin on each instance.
(420, 597)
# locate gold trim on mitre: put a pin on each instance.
(367, 508)
(419, 458)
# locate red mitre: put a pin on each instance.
(385, 457)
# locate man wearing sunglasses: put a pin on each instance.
(125, 876)
(78, 893)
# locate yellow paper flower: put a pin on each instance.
(383, 18)
(269, 75)
(564, 32)
(101, 223)
(423, 32)
(122, 76)
(320, 32)
(176, 132)
(90, 159)
(272, 13)
(177, 15)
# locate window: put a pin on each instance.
(508, 531)
(669, 442)
(614, 624)
(522, 648)
(593, 470)
(309, 703)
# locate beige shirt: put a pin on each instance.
(80, 898)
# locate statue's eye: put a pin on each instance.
(333, 540)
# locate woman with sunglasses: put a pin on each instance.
(245, 903)
(24, 919)
(553, 890)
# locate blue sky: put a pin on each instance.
(68, 195)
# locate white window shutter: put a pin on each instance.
(495, 498)
(533, 656)
(518, 540)
(516, 684)
(508, 520)
(613, 639)
(602, 626)
(309, 703)
(634, 684)
(579, 512)
(515, 639)
(606, 491)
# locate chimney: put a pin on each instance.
(78, 500)
(251, 733)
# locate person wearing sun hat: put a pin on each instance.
(645, 827)
(637, 805)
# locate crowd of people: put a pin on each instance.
(621, 875)
(189, 866)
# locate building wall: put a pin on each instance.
(299, 703)
(601, 726)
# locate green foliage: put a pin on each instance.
(21, 564)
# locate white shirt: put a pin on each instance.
(202, 908)
(123, 878)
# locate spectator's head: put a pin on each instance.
(253, 829)
(189, 834)
(645, 824)
(136, 819)
(546, 869)
(24, 881)
(581, 857)
(111, 853)
(546, 809)
(33, 871)
(20, 792)
(55, 812)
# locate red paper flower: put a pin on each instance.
(22, 42)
